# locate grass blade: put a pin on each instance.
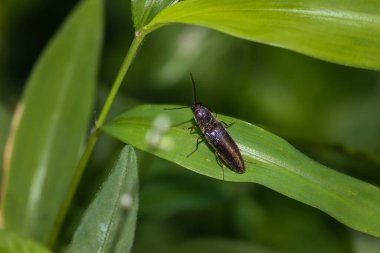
(106, 225)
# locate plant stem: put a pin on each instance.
(119, 79)
(94, 136)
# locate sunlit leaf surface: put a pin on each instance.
(345, 33)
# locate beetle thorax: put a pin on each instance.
(200, 112)
(202, 115)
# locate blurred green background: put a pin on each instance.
(329, 112)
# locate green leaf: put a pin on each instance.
(5, 120)
(50, 125)
(144, 10)
(106, 222)
(345, 33)
(12, 243)
(272, 162)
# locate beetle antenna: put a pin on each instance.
(194, 89)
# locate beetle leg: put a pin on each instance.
(199, 140)
(224, 123)
(192, 129)
(181, 123)
(228, 125)
(176, 108)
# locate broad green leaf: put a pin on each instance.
(106, 222)
(144, 10)
(341, 32)
(12, 243)
(50, 125)
(270, 161)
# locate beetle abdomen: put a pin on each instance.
(218, 138)
(225, 147)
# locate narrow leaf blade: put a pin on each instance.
(99, 228)
(50, 125)
(272, 162)
(329, 30)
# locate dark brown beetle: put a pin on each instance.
(216, 135)
(219, 139)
